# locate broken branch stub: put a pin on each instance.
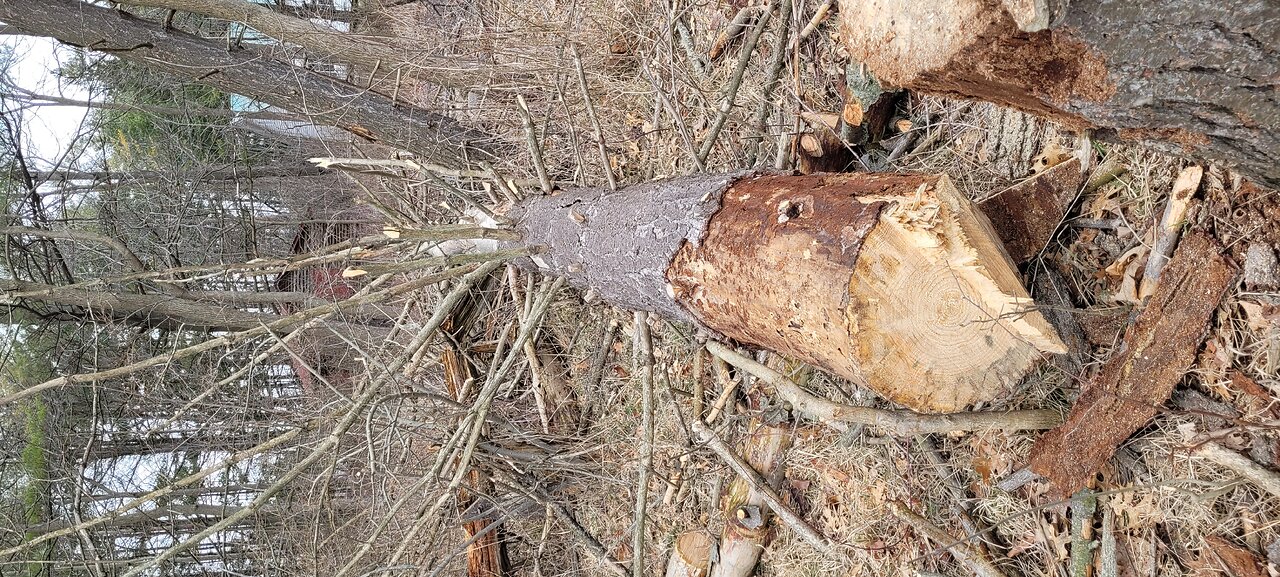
(894, 281)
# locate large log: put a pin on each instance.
(892, 280)
(1191, 78)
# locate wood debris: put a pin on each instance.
(1027, 214)
(1130, 388)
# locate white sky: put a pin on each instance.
(48, 129)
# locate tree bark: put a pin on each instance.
(895, 281)
(1186, 77)
(373, 52)
(247, 71)
(173, 313)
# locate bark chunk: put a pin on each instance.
(1131, 387)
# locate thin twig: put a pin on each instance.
(679, 122)
(735, 82)
(958, 549)
(595, 122)
(1263, 477)
(776, 62)
(531, 136)
(818, 17)
(758, 484)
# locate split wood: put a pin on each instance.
(902, 423)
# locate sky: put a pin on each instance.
(49, 129)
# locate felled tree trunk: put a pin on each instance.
(1187, 77)
(895, 281)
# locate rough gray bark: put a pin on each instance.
(620, 243)
(247, 71)
(1190, 78)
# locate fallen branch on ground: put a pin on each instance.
(902, 423)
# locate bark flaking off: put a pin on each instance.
(894, 281)
(1131, 387)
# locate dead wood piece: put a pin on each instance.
(1264, 478)
(891, 280)
(1132, 385)
(828, 145)
(690, 555)
(1084, 504)
(901, 423)
(734, 30)
(1171, 224)
(1027, 214)
(747, 518)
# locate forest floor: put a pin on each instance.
(574, 432)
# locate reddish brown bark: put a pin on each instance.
(1132, 386)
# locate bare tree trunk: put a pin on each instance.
(372, 52)
(891, 280)
(1187, 77)
(275, 170)
(245, 71)
(173, 313)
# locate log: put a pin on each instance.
(893, 281)
(1185, 77)
(746, 515)
(690, 555)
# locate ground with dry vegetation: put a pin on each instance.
(1163, 508)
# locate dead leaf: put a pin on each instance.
(1220, 557)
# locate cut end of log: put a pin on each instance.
(977, 49)
(895, 281)
(690, 555)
